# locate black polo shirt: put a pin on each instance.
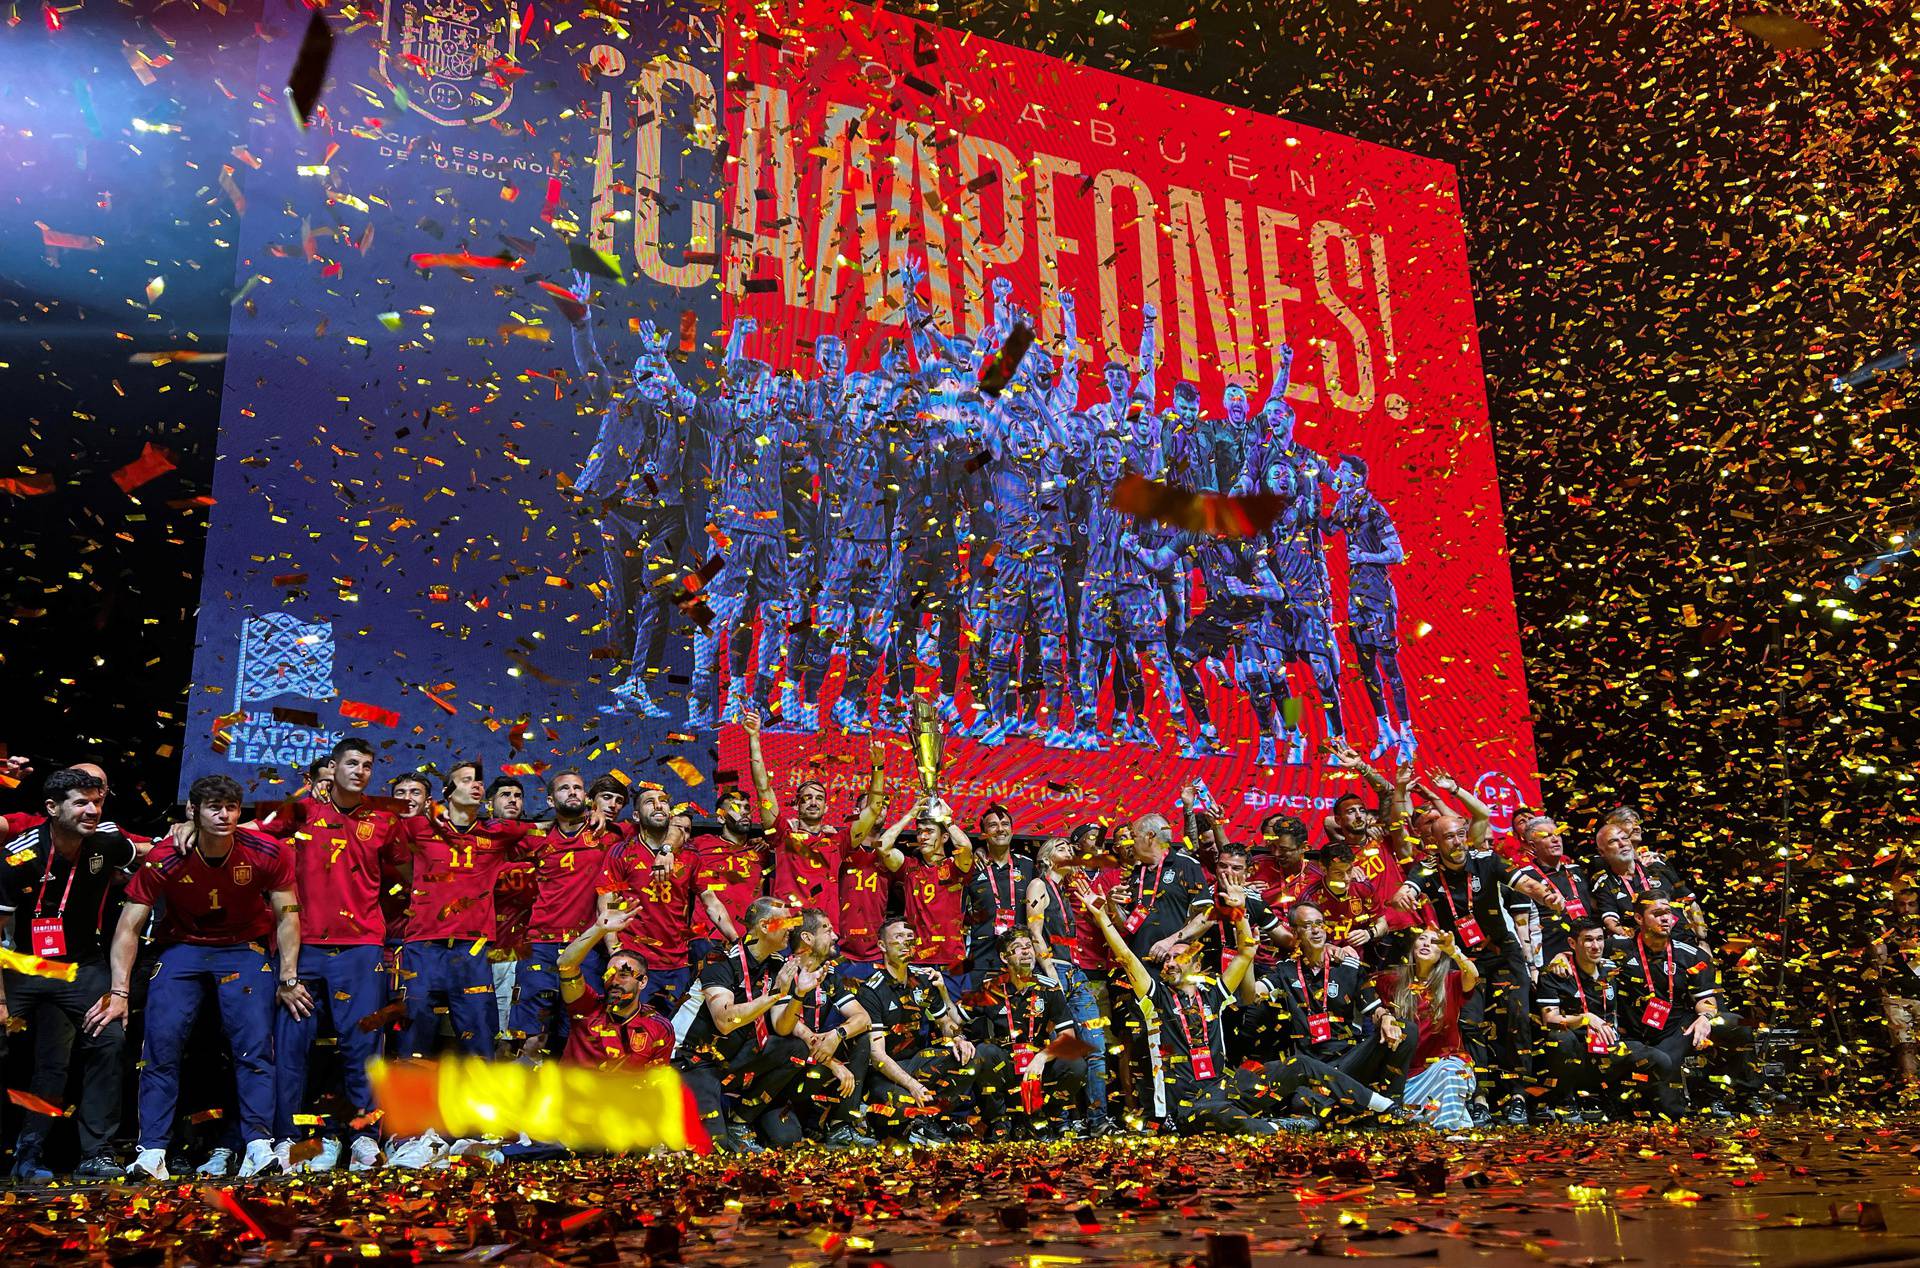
(1678, 977)
(1556, 928)
(1335, 989)
(84, 893)
(1164, 895)
(995, 898)
(748, 978)
(1029, 1016)
(904, 1013)
(1472, 893)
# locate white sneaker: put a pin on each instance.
(418, 1151)
(261, 1159)
(151, 1164)
(476, 1148)
(326, 1160)
(283, 1154)
(219, 1164)
(366, 1154)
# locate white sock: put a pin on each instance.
(1379, 1104)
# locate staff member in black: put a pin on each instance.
(1015, 1023)
(826, 1015)
(1549, 865)
(921, 1065)
(1580, 1012)
(1330, 1013)
(740, 1072)
(995, 896)
(61, 887)
(1670, 1002)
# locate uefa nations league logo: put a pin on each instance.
(451, 60)
(281, 656)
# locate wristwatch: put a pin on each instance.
(289, 981)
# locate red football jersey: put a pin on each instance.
(806, 867)
(513, 896)
(934, 897)
(1374, 863)
(662, 904)
(215, 904)
(566, 880)
(1358, 902)
(735, 872)
(865, 887)
(598, 1041)
(342, 862)
(454, 874)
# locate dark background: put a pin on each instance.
(1679, 234)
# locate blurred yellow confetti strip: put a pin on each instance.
(34, 966)
(616, 1111)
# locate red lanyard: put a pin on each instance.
(1646, 969)
(994, 890)
(1446, 892)
(1641, 873)
(1325, 972)
(1143, 901)
(47, 875)
(746, 972)
(1581, 991)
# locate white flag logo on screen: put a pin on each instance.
(281, 656)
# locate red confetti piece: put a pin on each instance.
(368, 713)
(152, 463)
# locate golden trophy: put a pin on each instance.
(923, 728)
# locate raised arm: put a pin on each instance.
(1149, 353)
(891, 856)
(605, 926)
(874, 804)
(1481, 819)
(1065, 393)
(737, 339)
(1277, 394)
(586, 354)
(1136, 971)
(962, 845)
(757, 762)
(1242, 963)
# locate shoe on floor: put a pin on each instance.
(218, 1166)
(28, 1169)
(418, 1151)
(326, 1158)
(260, 1159)
(150, 1164)
(848, 1138)
(1517, 1110)
(99, 1167)
(365, 1154)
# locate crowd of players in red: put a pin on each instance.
(896, 976)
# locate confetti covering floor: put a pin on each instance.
(1811, 1191)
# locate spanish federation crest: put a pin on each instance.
(242, 873)
(441, 55)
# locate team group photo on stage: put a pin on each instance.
(739, 597)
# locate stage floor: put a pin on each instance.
(1804, 1190)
